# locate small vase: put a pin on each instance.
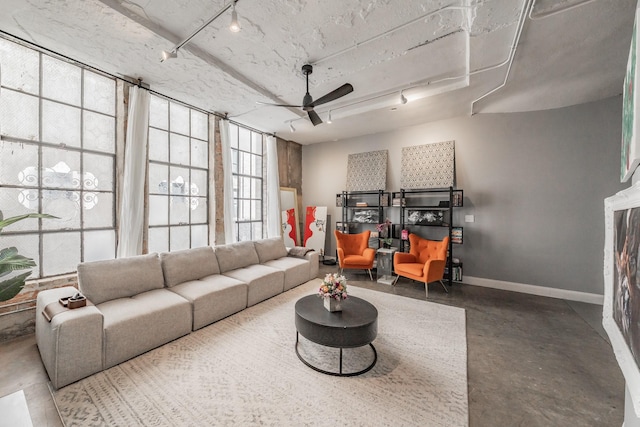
(332, 304)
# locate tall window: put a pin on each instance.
(178, 176)
(57, 156)
(246, 157)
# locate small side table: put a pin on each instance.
(385, 265)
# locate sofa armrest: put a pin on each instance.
(71, 344)
(314, 263)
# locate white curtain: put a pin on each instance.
(229, 222)
(135, 164)
(273, 189)
(212, 180)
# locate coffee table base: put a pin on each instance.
(338, 374)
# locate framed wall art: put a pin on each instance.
(630, 153)
(428, 166)
(367, 171)
(621, 308)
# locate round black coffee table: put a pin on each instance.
(355, 326)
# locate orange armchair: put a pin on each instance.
(354, 251)
(425, 261)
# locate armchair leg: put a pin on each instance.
(370, 276)
(444, 286)
(341, 271)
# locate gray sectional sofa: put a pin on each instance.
(142, 302)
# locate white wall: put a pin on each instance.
(534, 181)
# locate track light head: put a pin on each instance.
(403, 99)
(168, 55)
(329, 118)
(235, 25)
(291, 127)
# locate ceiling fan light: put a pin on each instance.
(235, 25)
(329, 118)
(403, 99)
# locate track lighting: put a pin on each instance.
(329, 118)
(168, 55)
(235, 25)
(403, 99)
(291, 127)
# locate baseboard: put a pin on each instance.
(535, 290)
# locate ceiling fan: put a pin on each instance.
(308, 104)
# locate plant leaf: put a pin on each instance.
(11, 260)
(11, 220)
(11, 287)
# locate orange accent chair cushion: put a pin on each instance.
(425, 261)
(354, 251)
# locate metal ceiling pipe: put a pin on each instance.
(557, 11)
(391, 31)
(523, 15)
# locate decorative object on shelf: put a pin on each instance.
(397, 202)
(457, 199)
(404, 235)
(333, 290)
(428, 166)
(367, 216)
(621, 309)
(384, 231)
(422, 217)
(630, 156)
(367, 171)
(456, 235)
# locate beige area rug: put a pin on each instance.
(244, 371)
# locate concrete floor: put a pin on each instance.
(532, 361)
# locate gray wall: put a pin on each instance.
(534, 181)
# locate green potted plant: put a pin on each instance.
(11, 261)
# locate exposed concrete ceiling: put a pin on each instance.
(447, 56)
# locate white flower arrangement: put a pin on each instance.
(333, 286)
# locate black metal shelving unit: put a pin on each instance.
(357, 208)
(430, 208)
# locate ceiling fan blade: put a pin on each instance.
(314, 117)
(278, 105)
(331, 96)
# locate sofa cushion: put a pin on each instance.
(296, 270)
(270, 249)
(262, 282)
(143, 322)
(188, 264)
(102, 281)
(213, 298)
(236, 255)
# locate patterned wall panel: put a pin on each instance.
(367, 171)
(428, 166)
